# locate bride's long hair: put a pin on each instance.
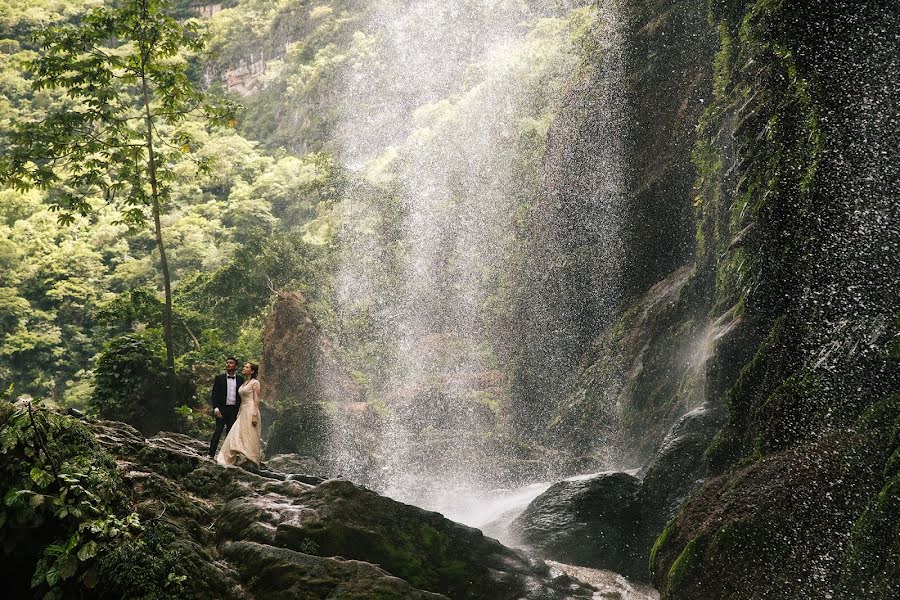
(254, 368)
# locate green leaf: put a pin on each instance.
(90, 578)
(87, 551)
(52, 576)
(68, 566)
(54, 594)
(36, 500)
(41, 477)
(40, 573)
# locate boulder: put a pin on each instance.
(611, 520)
(590, 522)
(295, 464)
(813, 521)
(267, 534)
(677, 468)
(302, 376)
(282, 574)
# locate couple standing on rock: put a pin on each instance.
(235, 401)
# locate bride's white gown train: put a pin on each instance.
(242, 442)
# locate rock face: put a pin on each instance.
(640, 374)
(635, 110)
(248, 535)
(591, 522)
(298, 361)
(301, 374)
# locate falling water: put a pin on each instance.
(444, 118)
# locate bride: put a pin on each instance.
(242, 442)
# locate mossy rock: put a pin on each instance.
(283, 574)
(769, 528)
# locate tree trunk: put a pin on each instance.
(163, 263)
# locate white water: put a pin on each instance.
(433, 118)
(493, 511)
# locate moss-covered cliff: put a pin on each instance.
(788, 311)
(797, 232)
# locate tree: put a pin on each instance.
(124, 73)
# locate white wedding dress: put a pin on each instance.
(242, 442)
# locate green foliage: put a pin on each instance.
(127, 366)
(63, 498)
(110, 66)
(130, 383)
(123, 71)
(144, 568)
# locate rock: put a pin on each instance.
(244, 78)
(299, 363)
(301, 374)
(639, 376)
(589, 522)
(278, 573)
(245, 534)
(783, 526)
(338, 518)
(610, 521)
(180, 443)
(295, 464)
(74, 412)
(677, 468)
(610, 586)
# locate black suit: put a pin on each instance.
(229, 412)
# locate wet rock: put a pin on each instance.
(295, 463)
(338, 518)
(298, 361)
(611, 520)
(301, 374)
(677, 468)
(644, 371)
(279, 573)
(610, 586)
(267, 534)
(591, 522)
(781, 526)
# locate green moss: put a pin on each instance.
(688, 560)
(872, 564)
(144, 568)
(658, 545)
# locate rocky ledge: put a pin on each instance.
(270, 535)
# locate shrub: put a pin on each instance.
(130, 384)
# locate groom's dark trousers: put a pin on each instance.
(229, 411)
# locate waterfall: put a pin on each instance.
(445, 118)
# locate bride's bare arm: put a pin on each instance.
(255, 415)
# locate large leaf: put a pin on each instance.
(41, 477)
(67, 565)
(88, 551)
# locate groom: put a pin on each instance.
(225, 401)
